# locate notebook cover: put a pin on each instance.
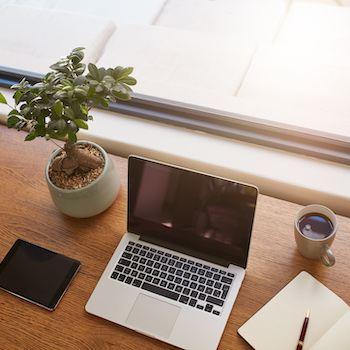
(277, 324)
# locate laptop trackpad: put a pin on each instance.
(152, 316)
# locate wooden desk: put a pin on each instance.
(27, 212)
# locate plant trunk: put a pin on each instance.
(76, 157)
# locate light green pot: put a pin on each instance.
(92, 199)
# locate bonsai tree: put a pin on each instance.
(59, 105)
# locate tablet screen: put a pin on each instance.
(37, 274)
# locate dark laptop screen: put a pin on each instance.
(184, 208)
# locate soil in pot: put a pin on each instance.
(78, 175)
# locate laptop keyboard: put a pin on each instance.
(186, 281)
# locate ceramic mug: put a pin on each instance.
(315, 227)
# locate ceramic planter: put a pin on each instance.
(92, 199)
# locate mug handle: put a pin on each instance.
(326, 256)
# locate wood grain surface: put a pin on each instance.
(27, 212)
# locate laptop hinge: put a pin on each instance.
(186, 250)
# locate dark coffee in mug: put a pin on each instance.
(315, 226)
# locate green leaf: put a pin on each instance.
(61, 126)
(72, 127)
(105, 104)
(127, 71)
(109, 79)
(77, 57)
(13, 119)
(81, 124)
(58, 107)
(93, 71)
(128, 80)
(84, 110)
(79, 80)
(101, 73)
(17, 96)
(81, 90)
(72, 136)
(14, 112)
(30, 137)
(2, 99)
(116, 72)
(79, 48)
(124, 96)
(69, 113)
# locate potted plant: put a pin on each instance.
(56, 108)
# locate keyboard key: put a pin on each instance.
(121, 277)
(192, 302)
(119, 268)
(208, 290)
(201, 296)
(136, 283)
(194, 294)
(215, 301)
(201, 288)
(160, 291)
(124, 262)
(178, 265)
(186, 291)
(208, 308)
(224, 293)
(178, 289)
(127, 255)
(186, 267)
(184, 299)
(226, 280)
(217, 293)
(210, 283)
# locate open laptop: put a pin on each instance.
(176, 273)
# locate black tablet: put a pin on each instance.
(37, 274)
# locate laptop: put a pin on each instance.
(177, 270)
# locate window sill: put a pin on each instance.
(276, 173)
(279, 174)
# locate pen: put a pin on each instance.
(303, 331)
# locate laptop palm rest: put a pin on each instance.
(153, 317)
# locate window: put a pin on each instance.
(272, 73)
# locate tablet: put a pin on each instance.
(37, 274)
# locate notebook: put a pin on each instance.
(177, 270)
(281, 319)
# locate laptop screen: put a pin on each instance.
(184, 208)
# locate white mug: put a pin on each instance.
(315, 227)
